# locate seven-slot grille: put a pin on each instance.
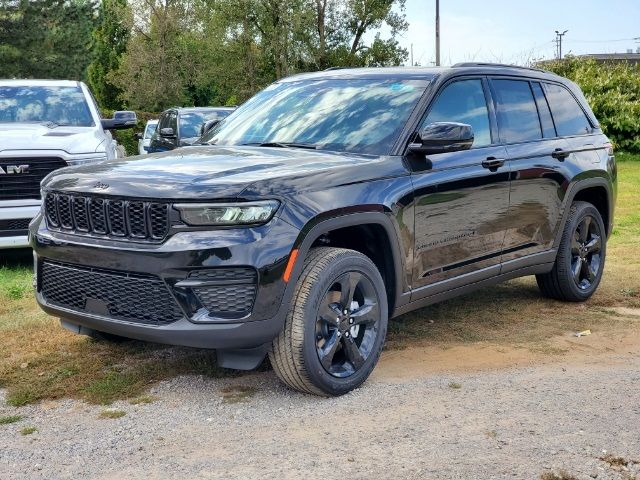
(137, 298)
(24, 174)
(134, 219)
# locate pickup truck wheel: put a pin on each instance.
(578, 268)
(335, 330)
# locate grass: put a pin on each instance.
(112, 413)
(455, 386)
(237, 393)
(560, 475)
(40, 360)
(28, 430)
(143, 399)
(7, 419)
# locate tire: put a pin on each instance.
(580, 260)
(316, 325)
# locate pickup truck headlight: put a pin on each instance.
(226, 214)
(86, 159)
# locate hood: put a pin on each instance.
(35, 136)
(217, 172)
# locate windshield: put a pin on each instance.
(191, 122)
(151, 127)
(352, 115)
(40, 104)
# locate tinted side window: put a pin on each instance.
(463, 102)
(569, 117)
(517, 113)
(164, 121)
(543, 109)
(173, 121)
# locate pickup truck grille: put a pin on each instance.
(20, 177)
(137, 298)
(98, 216)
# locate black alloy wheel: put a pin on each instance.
(347, 324)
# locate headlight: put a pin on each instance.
(87, 159)
(224, 214)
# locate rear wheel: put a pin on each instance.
(335, 330)
(579, 264)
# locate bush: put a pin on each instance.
(613, 91)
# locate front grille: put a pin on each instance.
(226, 292)
(13, 227)
(136, 298)
(22, 175)
(136, 219)
(15, 224)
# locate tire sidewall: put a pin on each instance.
(564, 256)
(318, 375)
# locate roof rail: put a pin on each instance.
(335, 68)
(496, 65)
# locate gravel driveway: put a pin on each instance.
(504, 423)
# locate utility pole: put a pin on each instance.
(559, 42)
(437, 33)
(412, 64)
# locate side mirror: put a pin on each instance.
(208, 125)
(443, 137)
(120, 121)
(137, 136)
(167, 132)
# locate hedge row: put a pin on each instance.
(613, 91)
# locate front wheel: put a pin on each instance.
(579, 263)
(335, 330)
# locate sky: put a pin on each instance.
(519, 31)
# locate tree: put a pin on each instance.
(159, 64)
(110, 43)
(46, 38)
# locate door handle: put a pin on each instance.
(493, 163)
(560, 154)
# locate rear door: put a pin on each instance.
(527, 130)
(461, 201)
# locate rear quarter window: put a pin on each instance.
(568, 116)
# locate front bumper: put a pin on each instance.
(12, 233)
(264, 248)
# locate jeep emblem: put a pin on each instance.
(101, 185)
(14, 169)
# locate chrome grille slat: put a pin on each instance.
(105, 217)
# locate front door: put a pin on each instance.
(461, 198)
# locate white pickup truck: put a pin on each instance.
(46, 125)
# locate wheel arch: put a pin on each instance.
(340, 231)
(596, 191)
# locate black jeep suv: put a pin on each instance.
(327, 204)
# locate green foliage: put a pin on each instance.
(127, 137)
(110, 42)
(217, 53)
(613, 92)
(46, 38)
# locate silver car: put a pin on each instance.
(145, 137)
(46, 125)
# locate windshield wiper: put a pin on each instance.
(309, 146)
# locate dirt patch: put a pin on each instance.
(416, 361)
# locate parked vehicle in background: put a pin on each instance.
(46, 125)
(144, 138)
(178, 127)
(327, 204)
